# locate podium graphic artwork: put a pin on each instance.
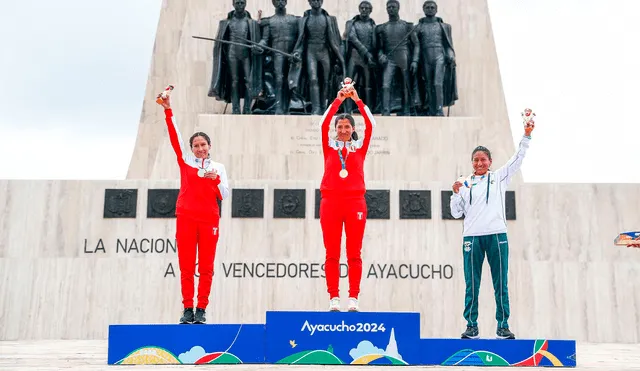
(350, 338)
(185, 344)
(325, 338)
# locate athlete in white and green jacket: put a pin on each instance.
(481, 199)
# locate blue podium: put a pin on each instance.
(325, 338)
(342, 338)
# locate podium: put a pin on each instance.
(325, 338)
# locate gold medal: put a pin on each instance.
(343, 173)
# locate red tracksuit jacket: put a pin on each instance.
(353, 185)
(198, 197)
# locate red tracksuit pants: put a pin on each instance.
(336, 212)
(202, 237)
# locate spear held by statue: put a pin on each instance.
(251, 43)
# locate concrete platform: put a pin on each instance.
(91, 355)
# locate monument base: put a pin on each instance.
(325, 338)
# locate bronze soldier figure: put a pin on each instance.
(280, 31)
(360, 52)
(437, 59)
(237, 69)
(398, 49)
(318, 45)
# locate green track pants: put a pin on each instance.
(496, 247)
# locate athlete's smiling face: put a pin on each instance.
(200, 147)
(481, 163)
(344, 130)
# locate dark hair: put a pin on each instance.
(352, 122)
(481, 149)
(199, 134)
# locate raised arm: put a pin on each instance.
(174, 135)
(326, 121)
(506, 172)
(369, 121)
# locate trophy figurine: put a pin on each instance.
(162, 96)
(347, 84)
(527, 117)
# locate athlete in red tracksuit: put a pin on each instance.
(343, 190)
(202, 183)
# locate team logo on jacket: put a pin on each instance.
(215, 231)
(467, 246)
(360, 215)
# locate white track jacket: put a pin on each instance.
(487, 216)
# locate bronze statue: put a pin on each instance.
(438, 85)
(237, 68)
(280, 32)
(360, 51)
(398, 49)
(318, 46)
(286, 64)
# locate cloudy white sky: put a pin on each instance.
(73, 74)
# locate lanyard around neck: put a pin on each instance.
(343, 162)
(471, 188)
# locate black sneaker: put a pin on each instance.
(187, 316)
(471, 333)
(200, 316)
(504, 333)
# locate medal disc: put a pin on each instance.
(201, 173)
(343, 173)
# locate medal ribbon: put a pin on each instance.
(202, 167)
(472, 184)
(343, 161)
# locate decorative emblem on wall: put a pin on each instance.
(415, 204)
(247, 203)
(289, 203)
(120, 203)
(161, 203)
(377, 204)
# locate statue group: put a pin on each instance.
(286, 64)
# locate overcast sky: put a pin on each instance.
(73, 74)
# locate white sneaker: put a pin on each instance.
(334, 305)
(353, 305)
